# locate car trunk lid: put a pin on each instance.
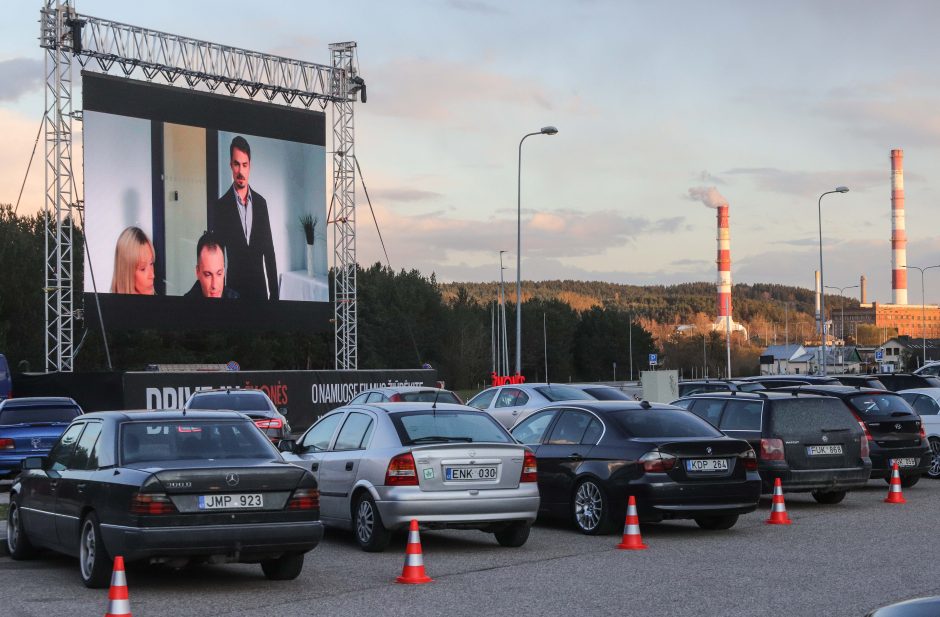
(33, 438)
(817, 433)
(468, 466)
(706, 458)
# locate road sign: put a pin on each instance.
(879, 354)
(654, 359)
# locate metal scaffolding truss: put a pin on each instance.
(151, 55)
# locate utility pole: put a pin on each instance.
(630, 325)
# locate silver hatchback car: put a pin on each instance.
(448, 466)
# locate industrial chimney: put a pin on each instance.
(898, 230)
(863, 290)
(724, 264)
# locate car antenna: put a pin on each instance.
(437, 393)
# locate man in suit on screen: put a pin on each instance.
(240, 221)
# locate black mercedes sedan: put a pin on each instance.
(593, 455)
(165, 487)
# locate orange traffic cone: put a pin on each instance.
(778, 511)
(631, 529)
(118, 604)
(894, 490)
(413, 571)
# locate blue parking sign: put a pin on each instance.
(653, 359)
(879, 354)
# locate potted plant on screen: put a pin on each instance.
(309, 224)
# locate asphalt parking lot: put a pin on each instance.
(840, 560)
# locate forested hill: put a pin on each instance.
(662, 303)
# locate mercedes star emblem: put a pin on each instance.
(231, 479)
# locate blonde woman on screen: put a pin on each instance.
(133, 263)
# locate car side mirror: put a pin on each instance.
(34, 462)
(282, 410)
(287, 445)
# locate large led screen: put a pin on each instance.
(202, 210)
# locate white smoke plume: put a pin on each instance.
(708, 195)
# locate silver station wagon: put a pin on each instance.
(448, 466)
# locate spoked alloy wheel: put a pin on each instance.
(590, 508)
(371, 534)
(18, 543)
(934, 471)
(93, 560)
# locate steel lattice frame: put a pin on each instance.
(158, 56)
(344, 217)
(57, 126)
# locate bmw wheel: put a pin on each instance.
(591, 508)
(371, 534)
(93, 560)
(934, 471)
(18, 544)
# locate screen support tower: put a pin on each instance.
(138, 53)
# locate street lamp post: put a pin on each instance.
(546, 130)
(842, 307)
(842, 317)
(822, 279)
(923, 305)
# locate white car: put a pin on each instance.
(511, 403)
(926, 402)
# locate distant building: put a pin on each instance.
(907, 318)
(802, 360)
(905, 353)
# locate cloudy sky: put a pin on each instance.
(771, 103)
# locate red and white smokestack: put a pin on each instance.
(898, 230)
(724, 263)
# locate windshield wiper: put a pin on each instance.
(433, 438)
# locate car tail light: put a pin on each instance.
(923, 433)
(529, 468)
(402, 471)
(152, 503)
(304, 499)
(7, 444)
(269, 423)
(771, 449)
(658, 461)
(395, 398)
(749, 459)
(865, 448)
(863, 425)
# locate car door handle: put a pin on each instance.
(314, 466)
(349, 465)
(81, 487)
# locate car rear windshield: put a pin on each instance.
(429, 396)
(880, 404)
(608, 394)
(802, 414)
(751, 387)
(561, 393)
(39, 415)
(663, 423)
(236, 401)
(426, 426)
(175, 440)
